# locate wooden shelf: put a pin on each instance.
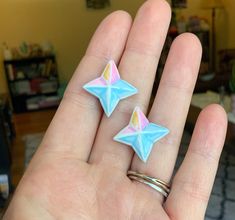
(29, 59)
(29, 79)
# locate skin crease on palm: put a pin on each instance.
(79, 172)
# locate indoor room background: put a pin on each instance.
(69, 25)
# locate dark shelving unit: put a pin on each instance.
(33, 83)
(7, 133)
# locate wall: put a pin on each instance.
(225, 17)
(226, 25)
(68, 24)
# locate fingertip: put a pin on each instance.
(121, 14)
(110, 36)
(210, 131)
(118, 18)
(191, 39)
(214, 113)
(153, 6)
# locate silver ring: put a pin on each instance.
(158, 185)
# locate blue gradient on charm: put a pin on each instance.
(109, 88)
(141, 140)
(110, 95)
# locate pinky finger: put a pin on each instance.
(193, 182)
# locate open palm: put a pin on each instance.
(79, 172)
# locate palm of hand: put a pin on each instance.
(79, 172)
(72, 189)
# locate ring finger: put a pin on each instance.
(171, 105)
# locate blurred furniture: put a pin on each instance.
(226, 61)
(179, 3)
(25, 124)
(223, 74)
(213, 5)
(230, 136)
(33, 83)
(199, 101)
(199, 27)
(7, 133)
(204, 37)
(97, 4)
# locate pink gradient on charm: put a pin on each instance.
(137, 123)
(140, 134)
(138, 119)
(98, 82)
(109, 88)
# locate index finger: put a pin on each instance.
(74, 126)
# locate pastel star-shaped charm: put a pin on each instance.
(140, 134)
(110, 88)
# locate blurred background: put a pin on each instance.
(41, 44)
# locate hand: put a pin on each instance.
(79, 172)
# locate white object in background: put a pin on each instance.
(231, 117)
(4, 186)
(10, 72)
(47, 48)
(202, 100)
(48, 87)
(23, 87)
(7, 52)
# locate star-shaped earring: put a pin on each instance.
(110, 88)
(140, 134)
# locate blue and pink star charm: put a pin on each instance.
(110, 88)
(140, 134)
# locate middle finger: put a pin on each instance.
(138, 66)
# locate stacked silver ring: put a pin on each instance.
(158, 185)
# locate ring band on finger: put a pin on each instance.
(156, 184)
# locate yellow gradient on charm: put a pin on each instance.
(135, 119)
(107, 72)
